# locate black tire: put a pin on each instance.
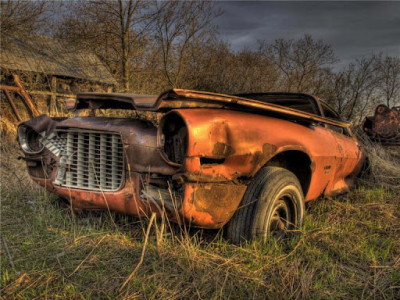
(272, 205)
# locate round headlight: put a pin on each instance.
(29, 140)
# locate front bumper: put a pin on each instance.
(204, 205)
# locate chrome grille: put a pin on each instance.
(94, 160)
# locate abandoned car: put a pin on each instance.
(248, 162)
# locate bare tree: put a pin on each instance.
(177, 25)
(199, 72)
(300, 61)
(389, 80)
(213, 66)
(353, 90)
(23, 16)
(151, 46)
(112, 29)
(253, 72)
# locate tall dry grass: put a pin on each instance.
(8, 130)
(349, 248)
(382, 165)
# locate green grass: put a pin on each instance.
(349, 248)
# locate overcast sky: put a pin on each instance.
(353, 29)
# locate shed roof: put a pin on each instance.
(52, 56)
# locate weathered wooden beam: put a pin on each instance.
(25, 97)
(9, 88)
(44, 93)
(13, 107)
(53, 97)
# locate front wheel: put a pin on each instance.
(273, 205)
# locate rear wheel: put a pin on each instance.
(273, 205)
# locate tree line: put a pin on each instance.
(151, 46)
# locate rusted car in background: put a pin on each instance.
(384, 126)
(248, 162)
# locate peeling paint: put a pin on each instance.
(222, 150)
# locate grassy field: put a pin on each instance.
(348, 248)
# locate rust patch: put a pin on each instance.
(260, 158)
(312, 166)
(127, 199)
(327, 169)
(220, 201)
(199, 177)
(269, 150)
(257, 159)
(222, 150)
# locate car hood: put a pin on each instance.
(180, 98)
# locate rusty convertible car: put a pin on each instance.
(248, 162)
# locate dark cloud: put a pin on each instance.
(352, 28)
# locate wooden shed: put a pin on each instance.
(45, 71)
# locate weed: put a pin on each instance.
(349, 247)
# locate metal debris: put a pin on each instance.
(383, 126)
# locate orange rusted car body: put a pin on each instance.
(196, 164)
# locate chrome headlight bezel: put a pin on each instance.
(27, 137)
